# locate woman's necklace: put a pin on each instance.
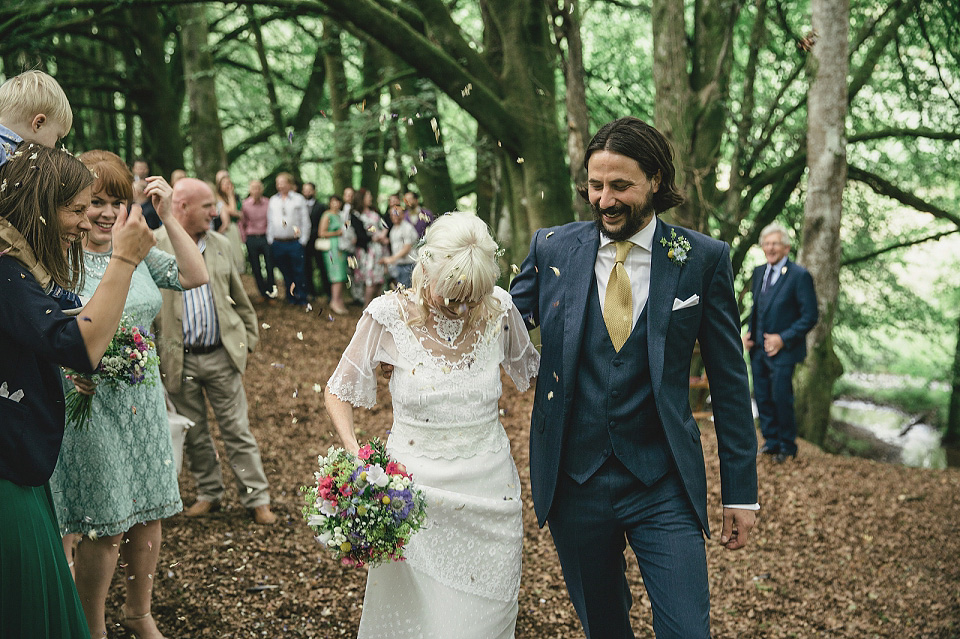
(447, 329)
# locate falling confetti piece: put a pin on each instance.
(555, 377)
(290, 137)
(519, 160)
(550, 395)
(549, 234)
(230, 299)
(299, 336)
(515, 269)
(264, 326)
(317, 388)
(555, 270)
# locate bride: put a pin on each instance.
(446, 338)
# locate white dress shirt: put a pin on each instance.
(288, 218)
(637, 265)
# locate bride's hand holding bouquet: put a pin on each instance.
(363, 507)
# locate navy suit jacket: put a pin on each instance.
(556, 302)
(790, 310)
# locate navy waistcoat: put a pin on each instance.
(613, 410)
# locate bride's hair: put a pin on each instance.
(457, 261)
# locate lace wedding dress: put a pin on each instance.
(462, 573)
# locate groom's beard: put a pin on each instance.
(635, 218)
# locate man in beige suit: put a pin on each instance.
(203, 337)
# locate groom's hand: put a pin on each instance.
(737, 523)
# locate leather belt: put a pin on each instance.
(200, 350)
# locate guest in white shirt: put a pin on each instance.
(288, 230)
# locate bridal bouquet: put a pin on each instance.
(364, 507)
(128, 359)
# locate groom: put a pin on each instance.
(615, 453)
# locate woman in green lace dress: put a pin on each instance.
(115, 478)
(331, 228)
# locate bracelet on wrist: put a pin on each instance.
(124, 259)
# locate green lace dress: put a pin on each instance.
(335, 260)
(119, 470)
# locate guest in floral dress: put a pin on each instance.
(370, 273)
(115, 478)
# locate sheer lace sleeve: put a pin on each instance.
(163, 268)
(355, 378)
(520, 359)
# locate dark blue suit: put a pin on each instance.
(650, 489)
(788, 308)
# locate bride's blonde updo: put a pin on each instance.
(458, 262)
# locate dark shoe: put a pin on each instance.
(767, 449)
(263, 516)
(202, 507)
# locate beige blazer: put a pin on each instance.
(238, 321)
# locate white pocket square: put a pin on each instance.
(693, 300)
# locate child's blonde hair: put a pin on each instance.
(24, 96)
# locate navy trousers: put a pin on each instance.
(257, 247)
(591, 524)
(288, 256)
(773, 390)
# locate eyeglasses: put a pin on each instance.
(771, 244)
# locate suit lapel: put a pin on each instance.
(576, 280)
(664, 276)
(777, 288)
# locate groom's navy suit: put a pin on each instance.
(608, 422)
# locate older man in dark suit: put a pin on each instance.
(784, 311)
(615, 454)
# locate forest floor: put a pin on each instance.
(844, 547)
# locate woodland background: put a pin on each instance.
(837, 118)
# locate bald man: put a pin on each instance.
(203, 337)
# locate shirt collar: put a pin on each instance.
(642, 238)
(779, 265)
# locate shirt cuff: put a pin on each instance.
(743, 506)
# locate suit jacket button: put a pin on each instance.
(617, 362)
(615, 394)
(612, 423)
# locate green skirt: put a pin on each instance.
(37, 595)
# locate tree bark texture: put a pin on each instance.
(827, 165)
(339, 109)
(951, 437)
(153, 94)
(206, 137)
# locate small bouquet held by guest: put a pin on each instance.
(365, 507)
(127, 360)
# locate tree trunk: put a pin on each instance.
(371, 145)
(578, 118)
(952, 435)
(827, 164)
(420, 121)
(339, 109)
(206, 138)
(153, 94)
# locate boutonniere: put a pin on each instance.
(677, 247)
(783, 271)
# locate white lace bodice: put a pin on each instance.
(445, 392)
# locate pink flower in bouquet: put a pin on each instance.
(325, 487)
(393, 468)
(365, 452)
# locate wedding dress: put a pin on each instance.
(461, 576)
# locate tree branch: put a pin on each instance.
(886, 188)
(886, 249)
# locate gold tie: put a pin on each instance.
(618, 301)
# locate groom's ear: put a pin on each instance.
(656, 181)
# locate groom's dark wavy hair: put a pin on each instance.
(638, 140)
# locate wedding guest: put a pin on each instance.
(288, 229)
(403, 252)
(253, 230)
(146, 205)
(331, 229)
(447, 337)
(314, 266)
(176, 175)
(42, 219)
(420, 217)
(228, 215)
(370, 272)
(114, 482)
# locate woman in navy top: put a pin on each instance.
(44, 194)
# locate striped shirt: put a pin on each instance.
(200, 324)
